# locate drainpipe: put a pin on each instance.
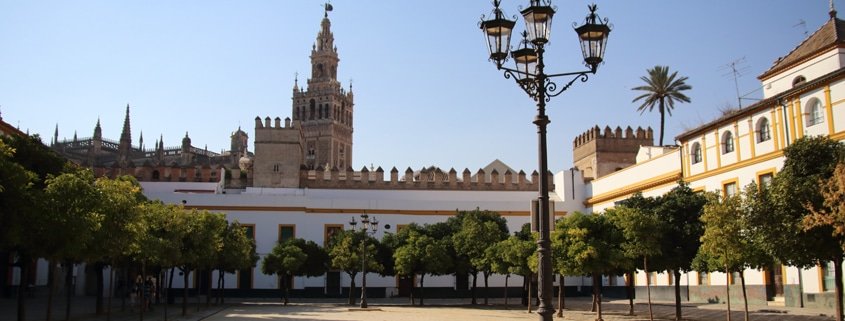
(785, 130)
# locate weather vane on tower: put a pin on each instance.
(328, 7)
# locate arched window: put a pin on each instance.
(814, 113)
(313, 111)
(156, 175)
(727, 143)
(695, 155)
(764, 131)
(800, 80)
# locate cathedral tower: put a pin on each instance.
(124, 152)
(324, 108)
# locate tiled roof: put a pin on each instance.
(765, 103)
(829, 35)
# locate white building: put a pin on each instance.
(803, 95)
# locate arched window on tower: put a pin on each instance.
(312, 111)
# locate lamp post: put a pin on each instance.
(368, 227)
(531, 76)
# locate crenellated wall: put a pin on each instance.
(427, 179)
(278, 153)
(599, 152)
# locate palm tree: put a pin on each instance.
(663, 90)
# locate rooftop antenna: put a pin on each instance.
(736, 69)
(803, 24)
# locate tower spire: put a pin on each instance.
(98, 131)
(126, 134)
(832, 10)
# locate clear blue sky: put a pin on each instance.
(424, 92)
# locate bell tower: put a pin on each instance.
(324, 108)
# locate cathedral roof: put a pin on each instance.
(829, 36)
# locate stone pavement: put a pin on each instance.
(399, 310)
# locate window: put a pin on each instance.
(286, 232)
(312, 109)
(727, 143)
(800, 80)
(828, 278)
(735, 278)
(703, 278)
(764, 132)
(696, 153)
(729, 189)
(765, 180)
(329, 231)
(814, 113)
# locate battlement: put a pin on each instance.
(278, 153)
(599, 152)
(596, 133)
(425, 179)
(276, 132)
(277, 124)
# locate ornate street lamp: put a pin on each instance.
(530, 75)
(368, 228)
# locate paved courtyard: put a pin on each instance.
(399, 310)
(444, 311)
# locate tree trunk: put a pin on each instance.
(69, 288)
(285, 288)
(351, 288)
(529, 291)
(220, 286)
(597, 295)
(486, 288)
(744, 294)
(185, 273)
(111, 292)
(208, 289)
(223, 288)
(411, 293)
(662, 121)
(677, 275)
(561, 296)
(474, 282)
(524, 298)
(422, 286)
(165, 290)
(648, 288)
(125, 274)
(507, 276)
(629, 289)
(169, 288)
(51, 283)
(837, 274)
(198, 280)
(98, 270)
(23, 260)
(141, 299)
(728, 291)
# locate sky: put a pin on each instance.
(425, 93)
